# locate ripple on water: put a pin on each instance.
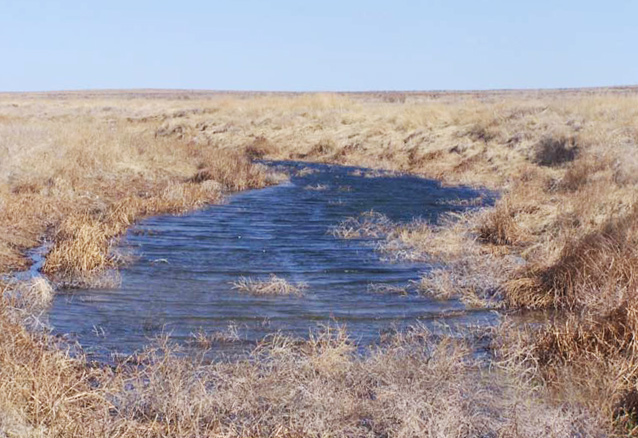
(181, 280)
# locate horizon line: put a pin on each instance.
(248, 91)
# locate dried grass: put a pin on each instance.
(562, 237)
(269, 287)
(555, 151)
(499, 227)
(414, 385)
(368, 225)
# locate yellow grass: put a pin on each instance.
(80, 168)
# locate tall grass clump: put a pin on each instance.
(273, 285)
(596, 271)
(555, 151)
(499, 227)
(370, 224)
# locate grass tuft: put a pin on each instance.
(499, 227)
(269, 287)
(555, 151)
(367, 225)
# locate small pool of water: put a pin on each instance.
(181, 279)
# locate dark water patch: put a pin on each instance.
(181, 280)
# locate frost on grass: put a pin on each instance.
(273, 285)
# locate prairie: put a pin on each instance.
(78, 168)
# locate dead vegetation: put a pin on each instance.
(562, 238)
(413, 385)
(555, 151)
(367, 225)
(83, 241)
(273, 285)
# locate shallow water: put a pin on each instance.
(181, 279)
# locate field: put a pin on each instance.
(561, 245)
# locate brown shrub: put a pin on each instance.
(324, 147)
(234, 170)
(498, 226)
(596, 272)
(484, 130)
(82, 248)
(259, 148)
(466, 164)
(591, 359)
(580, 173)
(555, 151)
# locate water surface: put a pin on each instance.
(181, 279)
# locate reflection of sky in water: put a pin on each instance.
(181, 281)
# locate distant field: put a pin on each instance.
(80, 167)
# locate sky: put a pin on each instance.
(327, 45)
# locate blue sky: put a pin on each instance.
(317, 45)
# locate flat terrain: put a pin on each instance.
(79, 168)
